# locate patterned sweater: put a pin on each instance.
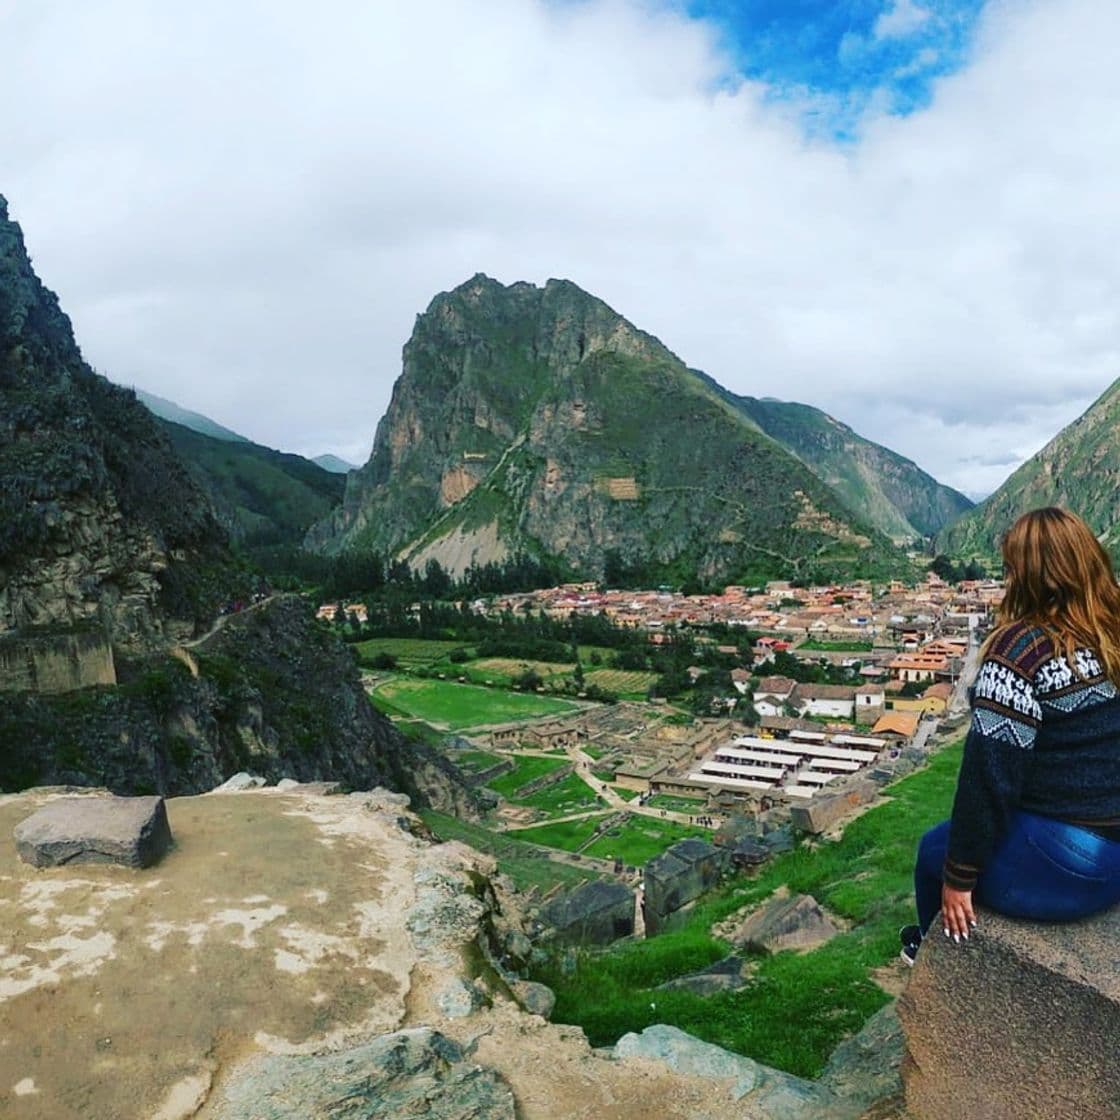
(1045, 737)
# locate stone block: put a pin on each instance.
(131, 831)
(785, 923)
(679, 876)
(595, 913)
(823, 811)
(241, 780)
(1020, 1021)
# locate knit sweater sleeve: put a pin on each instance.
(1005, 719)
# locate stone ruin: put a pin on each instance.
(678, 877)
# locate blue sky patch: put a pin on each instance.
(842, 56)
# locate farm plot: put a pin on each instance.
(622, 682)
(507, 668)
(410, 653)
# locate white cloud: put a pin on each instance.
(902, 18)
(244, 207)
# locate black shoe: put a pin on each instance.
(911, 939)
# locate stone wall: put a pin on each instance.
(56, 663)
(1020, 1021)
(678, 877)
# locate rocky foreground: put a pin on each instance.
(301, 955)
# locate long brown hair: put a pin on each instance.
(1059, 578)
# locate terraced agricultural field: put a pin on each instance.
(447, 704)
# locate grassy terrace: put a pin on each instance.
(527, 769)
(458, 706)
(410, 653)
(797, 1007)
(528, 866)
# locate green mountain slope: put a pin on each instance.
(262, 497)
(540, 419)
(169, 410)
(889, 491)
(1079, 469)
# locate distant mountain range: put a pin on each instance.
(540, 420)
(1079, 469)
(334, 464)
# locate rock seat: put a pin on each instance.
(132, 831)
(1020, 1022)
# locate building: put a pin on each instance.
(772, 694)
(833, 701)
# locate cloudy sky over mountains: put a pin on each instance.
(902, 211)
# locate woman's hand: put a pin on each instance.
(957, 915)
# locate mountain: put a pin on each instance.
(169, 410)
(1079, 469)
(100, 522)
(891, 492)
(334, 464)
(539, 419)
(262, 497)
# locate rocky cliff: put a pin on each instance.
(99, 520)
(539, 419)
(1078, 469)
(269, 691)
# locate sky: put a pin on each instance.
(904, 212)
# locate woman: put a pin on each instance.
(1035, 830)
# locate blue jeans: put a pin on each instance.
(1045, 869)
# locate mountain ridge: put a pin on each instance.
(538, 418)
(1078, 469)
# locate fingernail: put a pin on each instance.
(973, 923)
(957, 938)
(946, 931)
(965, 935)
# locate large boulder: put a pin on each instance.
(796, 922)
(1019, 1021)
(595, 913)
(132, 831)
(415, 1072)
(824, 810)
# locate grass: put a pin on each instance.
(797, 1007)
(527, 769)
(852, 646)
(529, 867)
(457, 706)
(641, 838)
(507, 668)
(568, 836)
(571, 795)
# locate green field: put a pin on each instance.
(568, 836)
(570, 795)
(526, 769)
(529, 867)
(641, 838)
(507, 668)
(411, 653)
(797, 1007)
(458, 706)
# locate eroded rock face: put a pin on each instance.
(131, 831)
(1021, 1021)
(412, 1072)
